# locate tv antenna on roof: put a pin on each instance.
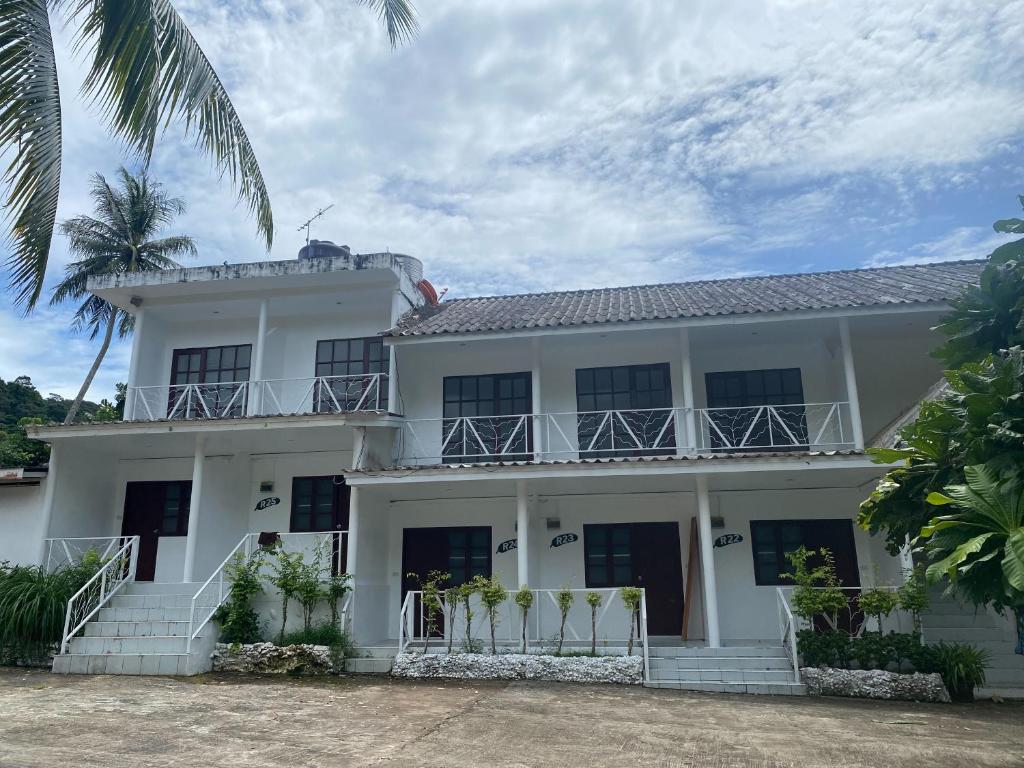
(313, 218)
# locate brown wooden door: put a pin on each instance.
(153, 510)
(639, 555)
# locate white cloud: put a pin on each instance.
(958, 244)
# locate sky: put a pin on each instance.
(561, 144)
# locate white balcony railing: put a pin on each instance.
(272, 397)
(66, 552)
(624, 433)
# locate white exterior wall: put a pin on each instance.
(21, 523)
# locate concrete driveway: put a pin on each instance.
(48, 720)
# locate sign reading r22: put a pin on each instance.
(727, 539)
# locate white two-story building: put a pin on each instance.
(680, 437)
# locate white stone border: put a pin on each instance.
(873, 684)
(623, 670)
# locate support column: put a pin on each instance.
(688, 442)
(133, 368)
(536, 426)
(522, 534)
(351, 550)
(393, 393)
(707, 562)
(850, 374)
(256, 394)
(48, 494)
(192, 539)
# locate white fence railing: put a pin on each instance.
(65, 552)
(322, 394)
(613, 623)
(624, 433)
(328, 546)
(86, 602)
(787, 631)
(271, 397)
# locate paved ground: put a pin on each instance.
(46, 720)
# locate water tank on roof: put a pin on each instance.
(320, 249)
(413, 267)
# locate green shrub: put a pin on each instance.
(818, 590)
(631, 597)
(238, 621)
(962, 668)
(913, 594)
(492, 596)
(524, 599)
(878, 604)
(564, 598)
(33, 605)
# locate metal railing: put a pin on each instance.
(322, 394)
(69, 551)
(224, 400)
(613, 623)
(624, 433)
(761, 427)
(329, 546)
(787, 631)
(270, 397)
(98, 590)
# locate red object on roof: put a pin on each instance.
(428, 291)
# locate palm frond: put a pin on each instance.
(30, 131)
(147, 69)
(399, 17)
(165, 248)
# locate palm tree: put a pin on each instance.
(979, 547)
(146, 69)
(120, 240)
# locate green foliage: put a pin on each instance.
(564, 597)
(962, 668)
(878, 603)
(839, 649)
(524, 599)
(913, 594)
(818, 590)
(631, 597)
(310, 590)
(431, 600)
(338, 585)
(286, 576)
(594, 600)
(324, 633)
(979, 546)
(492, 596)
(464, 594)
(238, 621)
(33, 604)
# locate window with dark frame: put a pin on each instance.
(351, 358)
(608, 555)
(742, 423)
(177, 498)
(227, 365)
(320, 504)
(493, 431)
(469, 553)
(772, 540)
(640, 396)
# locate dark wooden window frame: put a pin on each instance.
(373, 359)
(748, 397)
(602, 535)
(201, 373)
(777, 530)
(623, 391)
(497, 405)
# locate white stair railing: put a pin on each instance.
(62, 552)
(98, 590)
(787, 631)
(214, 591)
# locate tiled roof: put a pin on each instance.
(921, 283)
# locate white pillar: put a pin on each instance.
(48, 493)
(133, 367)
(353, 531)
(850, 374)
(688, 441)
(256, 394)
(535, 398)
(192, 539)
(707, 562)
(397, 304)
(522, 534)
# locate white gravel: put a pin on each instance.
(873, 684)
(625, 670)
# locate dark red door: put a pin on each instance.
(153, 510)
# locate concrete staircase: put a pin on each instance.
(143, 630)
(736, 669)
(372, 659)
(951, 621)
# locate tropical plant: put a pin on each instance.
(121, 239)
(962, 668)
(979, 546)
(564, 598)
(146, 69)
(431, 597)
(338, 585)
(878, 603)
(492, 597)
(33, 604)
(631, 597)
(238, 621)
(818, 591)
(310, 590)
(465, 594)
(286, 577)
(524, 599)
(452, 597)
(913, 594)
(594, 600)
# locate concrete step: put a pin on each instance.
(135, 628)
(721, 662)
(724, 675)
(108, 613)
(159, 644)
(161, 588)
(754, 651)
(361, 666)
(121, 600)
(772, 689)
(121, 664)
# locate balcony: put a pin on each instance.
(626, 434)
(272, 397)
